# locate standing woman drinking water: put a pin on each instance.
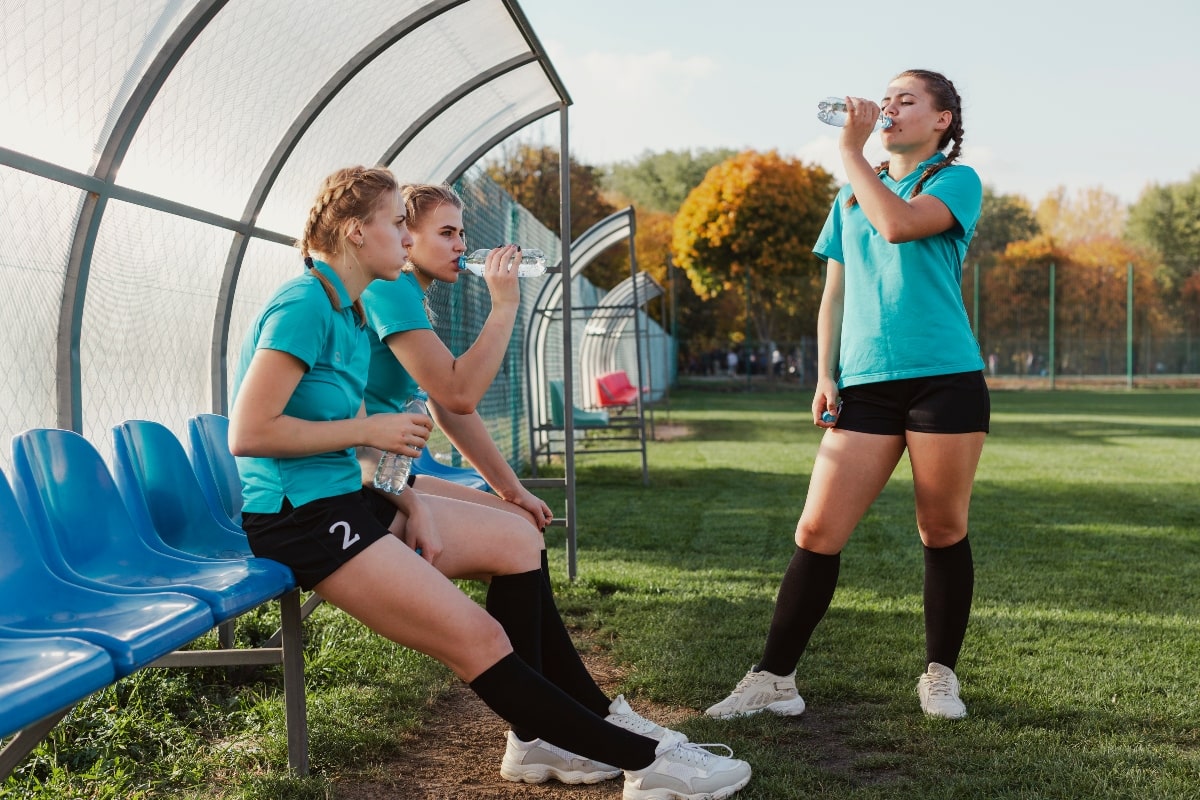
(294, 426)
(898, 369)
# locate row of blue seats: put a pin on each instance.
(105, 572)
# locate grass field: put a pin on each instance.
(1079, 670)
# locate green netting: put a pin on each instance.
(492, 217)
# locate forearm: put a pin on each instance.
(829, 324)
(283, 436)
(891, 214)
(473, 372)
(470, 436)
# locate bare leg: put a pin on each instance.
(850, 471)
(397, 594)
(943, 472)
(943, 466)
(427, 484)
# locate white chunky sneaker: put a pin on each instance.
(621, 715)
(685, 771)
(938, 690)
(539, 761)
(761, 691)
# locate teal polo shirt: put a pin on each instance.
(300, 320)
(392, 307)
(903, 314)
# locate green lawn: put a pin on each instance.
(1079, 668)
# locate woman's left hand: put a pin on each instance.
(420, 531)
(537, 508)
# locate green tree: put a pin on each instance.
(747, 230)
(1005, 218)
(531, 175)
(662, 181)
(1166, 219)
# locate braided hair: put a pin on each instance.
(945, 98)
(353, 193)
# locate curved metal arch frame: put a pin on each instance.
(304, 120)
(598, 350)
(584, 250)
(274, 166)
(70, 321)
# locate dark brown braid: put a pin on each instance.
(348, 194)
(945, 98)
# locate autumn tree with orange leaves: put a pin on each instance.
(1091, 286)
(747, 231)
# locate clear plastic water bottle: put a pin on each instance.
(533, 263)
(392, 473)
(832, 111)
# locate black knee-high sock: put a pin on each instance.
(515, 601)
(949, 586)
(804, 597)
(561, 664)
(530, 702)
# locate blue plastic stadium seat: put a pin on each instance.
(36, 602)
(426, 464)
(214, 465)
(40, 677)
(154, 474)
(68, 495)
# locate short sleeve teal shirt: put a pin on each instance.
(903, 313)
(392, 307)
(300, 320)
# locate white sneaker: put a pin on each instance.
(685, 771)
(761, 691)
(621, 715)
(938, 690)
(539, 761)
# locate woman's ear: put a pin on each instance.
(353, 232)
(945, 118)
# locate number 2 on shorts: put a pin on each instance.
(348, 538)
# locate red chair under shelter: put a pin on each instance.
(615, 390)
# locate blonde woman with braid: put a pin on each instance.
(405, 353)
(296, 420)
(898, 369)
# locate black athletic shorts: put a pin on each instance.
(956, 403)
(317, 538)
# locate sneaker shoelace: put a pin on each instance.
(939, 687)
(695, 753)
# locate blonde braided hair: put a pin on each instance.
(945, 98)
(353, 193)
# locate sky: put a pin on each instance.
(1075, 94)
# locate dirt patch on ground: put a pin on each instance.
(457, 754)
(665, 432)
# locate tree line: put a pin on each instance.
(737, 228)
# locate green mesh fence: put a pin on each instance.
(1079, 324)
(492, 217)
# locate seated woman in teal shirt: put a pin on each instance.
(898, 369)
(295, 423)
(406, 352)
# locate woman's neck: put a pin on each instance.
(352, 275)
(901, 165)
(424, 279)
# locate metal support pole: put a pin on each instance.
(1129, 327)
(1053, 361)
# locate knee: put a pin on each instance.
(810, 537)
(488, 644)
(937, 534)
